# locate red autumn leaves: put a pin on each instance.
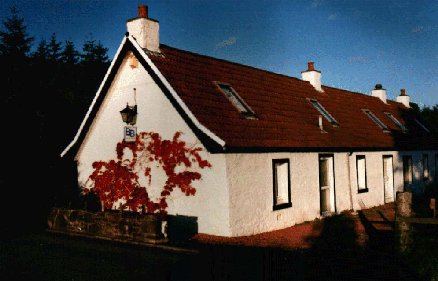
(118, 179)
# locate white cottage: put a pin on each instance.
(282, 150)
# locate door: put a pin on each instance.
(388, 179)
(327, 185)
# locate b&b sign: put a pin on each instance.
(129, 133)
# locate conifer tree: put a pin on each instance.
(69, 54)
(94, 52)
(14, 41)
(42, 52)
(54, 48)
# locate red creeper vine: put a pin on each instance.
(115, 179)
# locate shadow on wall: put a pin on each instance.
(415, 139)
(181, 228)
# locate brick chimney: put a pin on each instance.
(313, 76)
(403, 98)
(379, 92)
(145, 30)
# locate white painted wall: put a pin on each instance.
(250, 181)
(155, 113)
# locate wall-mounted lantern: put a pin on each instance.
(129, 114)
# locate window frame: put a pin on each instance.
(276, 205)
(376, 120)
(406, 184)
(422, 126)
(248, 113)
(396, 121)
(363, 189)
(324, 112)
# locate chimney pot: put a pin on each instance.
(378, 87)
(143, 11)
(310, 66)
(402, 92)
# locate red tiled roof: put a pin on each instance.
(286, 118)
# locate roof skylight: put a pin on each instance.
(398, 123)
(422, 126)
(236, 100)
(376, 120)
(324, 112)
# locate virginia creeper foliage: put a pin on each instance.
(117, 179)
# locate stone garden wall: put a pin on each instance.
(110, 224)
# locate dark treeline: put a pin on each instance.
(46, 89)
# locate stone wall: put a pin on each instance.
(116, 225)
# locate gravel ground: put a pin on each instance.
(303, 236)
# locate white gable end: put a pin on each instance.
(155, 114)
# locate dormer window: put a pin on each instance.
(398, 123)
(422, 126)
(236, 100)
(324, 113)
(376, 120)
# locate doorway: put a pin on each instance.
(388, 178)
(327, 185)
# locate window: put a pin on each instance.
(376, 120)
(361, 169)
(425, 167)
(400, 125)
(324, 113)
(422, 126)
(236, 100)
(281, 177)
(407, 171)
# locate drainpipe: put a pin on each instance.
(349, 180)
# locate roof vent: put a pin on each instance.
(379, 92)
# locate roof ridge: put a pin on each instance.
(264, 70)
(235, 63)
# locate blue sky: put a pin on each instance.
(355, 44)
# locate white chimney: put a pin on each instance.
(145, 30)
(403, 98)
(313, 76)
(379, 92)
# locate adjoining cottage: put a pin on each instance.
(282, 150)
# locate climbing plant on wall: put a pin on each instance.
(119, 179)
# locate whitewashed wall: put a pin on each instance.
(250, 180)
(155, 113)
